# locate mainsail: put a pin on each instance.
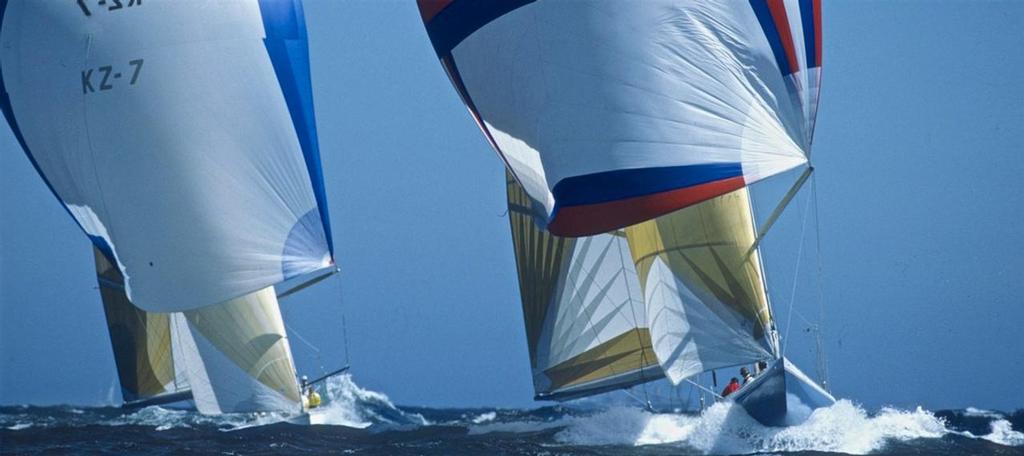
(705, 294)
(583, 308)
(150, 363)
(181, 139)
(610, 113)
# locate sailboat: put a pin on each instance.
(631, 132)
(183, 142)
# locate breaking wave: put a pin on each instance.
(725, 428)
(359, 418)
(348, 404)
(345, 404)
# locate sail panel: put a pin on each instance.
(706, 301)
(611, 113)
(141, 340)
(173, 119)
(584, 320)
(246, 361)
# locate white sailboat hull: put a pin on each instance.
(782, 395)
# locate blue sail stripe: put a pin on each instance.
(8, 110)
(463, 17)
(771, 32)
(628, 183)
(810, 42)
(286, 44)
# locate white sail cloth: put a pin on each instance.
(179, 135)
(610, 113)
(585, 320)
(707, 305)
(237, 356)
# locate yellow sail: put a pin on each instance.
(705, 295)
(585, 322)
(141, 340)
(246, 363)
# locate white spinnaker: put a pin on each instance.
(577, 88)
(242, 361)
(154, 124)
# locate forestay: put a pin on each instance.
(585, 320)
(706, 301)
(179, 135)
(610, 113)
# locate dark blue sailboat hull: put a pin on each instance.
(782, 395)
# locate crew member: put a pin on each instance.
(761, 367)
(746, 375)
(312, 397)
(732, 387)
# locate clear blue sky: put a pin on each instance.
(919, 158)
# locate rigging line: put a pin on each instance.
(774, 217)
(822, 358)
(344, 326)
(646, 404)
(316, 350)
(796, 275)
(705, 389)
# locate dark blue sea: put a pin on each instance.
(360, 422)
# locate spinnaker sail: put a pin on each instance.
(613, 113)
(583, 308)
(180, 138)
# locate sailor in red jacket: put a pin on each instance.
(733, 385)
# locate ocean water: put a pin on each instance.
(357, 421)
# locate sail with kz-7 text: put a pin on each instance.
(182, 140)
(635, 129)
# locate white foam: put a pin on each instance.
(163, 419)
(725, 428)
(484, 417)
(971, 411)
(348, 404)
(1003, 434)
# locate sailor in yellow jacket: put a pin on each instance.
(311, 399)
